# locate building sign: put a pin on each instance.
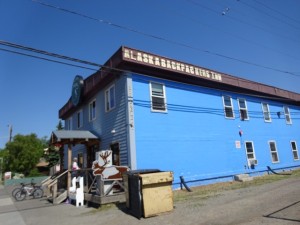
(157, 61)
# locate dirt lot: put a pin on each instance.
(277, 202)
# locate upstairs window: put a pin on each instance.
(92, 110)
(79, 119)
(228, 107)
(273, 150)
(110, 99)
(158, 97)
(294, 150)
(287, 115)
(68, 125)
(243, 109)
(266, 112)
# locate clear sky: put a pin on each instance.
(254, 39)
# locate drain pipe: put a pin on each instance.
(182, 182)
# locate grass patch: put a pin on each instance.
(213, 190)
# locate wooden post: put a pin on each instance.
(69, 167)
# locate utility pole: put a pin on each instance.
(9, 132)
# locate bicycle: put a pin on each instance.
(33, 190)
(15, 190)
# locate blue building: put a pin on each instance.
(158, 113)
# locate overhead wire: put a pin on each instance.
(277, 11)
(243, 21)
(238, 37)
(164, 39)
(142, 103)
(46, 59)
(267, 14)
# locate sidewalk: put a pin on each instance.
(9, 214)
(26, 212)
(276, 203)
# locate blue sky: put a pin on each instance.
(261, 32)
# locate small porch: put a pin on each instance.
(96, 189)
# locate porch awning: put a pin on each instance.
(61, 137)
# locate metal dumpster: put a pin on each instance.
(148, 192)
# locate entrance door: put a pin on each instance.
(91, 155)
(115, 154)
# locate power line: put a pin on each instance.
(269, 15)
(242, 21)
(164, 39)
(112, 70)
(42, 58)
(277, 11)
(229, 33)
(13, 45)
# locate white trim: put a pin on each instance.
(107, 98)
(264, 112)
(287, 115)
(295, 150)
(162, 97)
(240, 109)
(228, 107)
(95, 110)
(69, 123)
(79, 121)
(253, 153)
(131, 153)
(273, 152)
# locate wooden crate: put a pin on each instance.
(157, 193)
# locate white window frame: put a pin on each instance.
(266, 112)
(92, 110)
(249, 153)
(287, 115)
(226, 107)
(295, 151)
(69, 123)
(110, 98)
(272, 151)
(79, 119)
(163, 97)
(245, 109)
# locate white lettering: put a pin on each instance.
(126, 53)
(139, 57)
(169, 64)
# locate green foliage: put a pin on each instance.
(34, 173)
(59, 126)
(52, 157)
(23, 153)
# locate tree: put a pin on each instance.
(53, 154)
(24, 152)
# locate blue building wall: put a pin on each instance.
(195, 140)
(105, 122)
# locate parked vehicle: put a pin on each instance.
(28, 190)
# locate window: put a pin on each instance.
(250, 153)
(79, 119)
(92, 110)
(266, 112)
(158, 97)
(274, 154)
(68, 124)
(227, 102)
(287, 115)
(110, 100)
(294, 150)
(243, 109)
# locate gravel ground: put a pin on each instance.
(273, 203)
